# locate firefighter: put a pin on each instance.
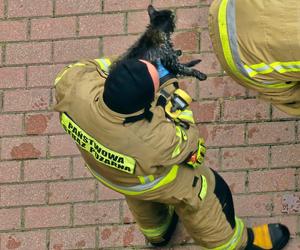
(137, 136)
(258, 45)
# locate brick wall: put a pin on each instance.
(49, 201)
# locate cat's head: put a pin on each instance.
(163, 20)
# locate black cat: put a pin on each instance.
(155, 44)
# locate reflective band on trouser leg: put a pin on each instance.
(235, 239)
(161, 230)
(138, 189)
(228, 38)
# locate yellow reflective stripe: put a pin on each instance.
(281, 67)
(187, 115)
(223, 30)
(65, 71)
(203, 190)
(161, 230)
(99, 152)
(104, 63)
(177, 148)
(142, 179)
(235, 239)
(171, 175)
(151, 178)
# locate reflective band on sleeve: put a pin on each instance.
(100, 153)
(203, 190)
(235, 239)
(161, 230)
(228, 38)
(104, 64)
(180, 133)
(138, 189)
(187, 115)
(280, 67)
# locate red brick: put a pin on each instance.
(215, 87)
(120, 236)
(137, 21)
(272, 132)
(223, 135)
(50, 216)
(206, 111)
(186, 41)
(23, 194)
(278, 114)
(61, 145)
(271, 180)
(79, 170)
(287, 203)
(108, 194)
(53, 28)
(42, 123)
(209, 64)
(192, 18)
(12, 77)
(284, 156)
(77, 49)
(28, 100)
(253, 205)
(206, 1)
(173, 3)
(43, 75)
(235, 180)
(10, 171)
(101, 213)
(24, 53)
(115, 46)
(190, 85)
(245, 158)
(11, 124)
(205, 42)
(116, 5)
(23, 147)
(52, 169)
(10, 218)
(23, 240)
(212, 159)
(22, 8)
(13, 30)
(127, 215)
(106, 24)
(71, 191)
(73, 238)
(246, 109)
(294, 244)
(65, 7)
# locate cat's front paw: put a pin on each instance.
(199, 75)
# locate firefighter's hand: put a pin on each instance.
(197, 158)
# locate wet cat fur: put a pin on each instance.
(155, 43)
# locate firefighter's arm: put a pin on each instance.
(173, 144)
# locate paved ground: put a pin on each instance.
(49, 201)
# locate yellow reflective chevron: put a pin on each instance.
(138, 189)
(161, 230)
(186, 115)
(280, 67)
(104, 64)
(235, 239)
(180, 133)
(228, 48)
(203, 190)
(100, 153)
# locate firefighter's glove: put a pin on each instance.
(197, 158)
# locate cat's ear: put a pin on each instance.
(151, 11)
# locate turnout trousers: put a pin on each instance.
(203, 202)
